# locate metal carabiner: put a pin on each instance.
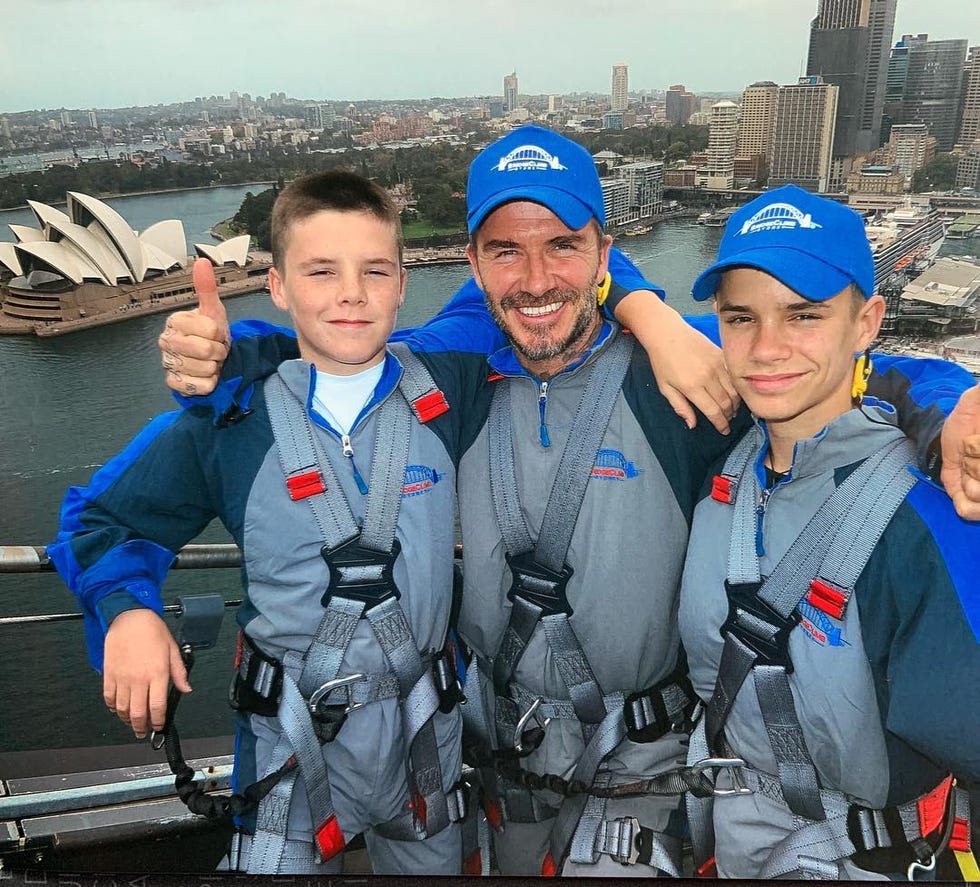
(337, 683)
(733, 764)
(522, 722)
(917, 866)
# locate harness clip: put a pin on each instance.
(771, 644)
(733, 764)
(330, 718)
(360, 573)
(538, 585)
(929, 865)
(536, 736)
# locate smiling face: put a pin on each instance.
(342, 284)
(792, 360)
(539, 277)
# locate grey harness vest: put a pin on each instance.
(821, 567)
(360, 561)
(538, 595)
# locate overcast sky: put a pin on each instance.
(112, 53)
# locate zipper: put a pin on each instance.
(349, 454)
(542, 409)
(760, 514)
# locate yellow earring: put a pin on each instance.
(862, 370)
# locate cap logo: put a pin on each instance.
(778, 216)
(528, 157)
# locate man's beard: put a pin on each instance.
(541, 347)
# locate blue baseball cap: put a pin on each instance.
(536, 164)
(813, 245)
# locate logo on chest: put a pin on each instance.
(613, 465)
(819, 627)
(419, 479)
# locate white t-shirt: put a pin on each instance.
(340, 399)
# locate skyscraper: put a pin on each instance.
(804, 134)
(849, 42)
(970, 121)
(619, 98)
(510, 92)
(678, 104)
(722, 139)
(758, 119)
(933, 86)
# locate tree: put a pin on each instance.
(937, 175)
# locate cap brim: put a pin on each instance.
(572, 211)
(810, 277)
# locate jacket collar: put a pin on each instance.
(506, 363)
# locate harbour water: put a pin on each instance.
(70, 403)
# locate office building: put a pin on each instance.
(645, 181)
(679, 105)
(849, 41)
(933, 86)
(722, 141)
(755, 127)
(510, 92)
(619, 97)
(803, 135)
(910, 147)
(970, 114)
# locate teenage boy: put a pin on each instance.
(829, 603)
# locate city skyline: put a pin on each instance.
(240, 45)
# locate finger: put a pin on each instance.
(122, 704)
(717, 415)
(157, 705)
(190, 386)
(178, 672)
(680, 405)
(138, 719)
(194, 335)
(109, 692)
(206, 287)
(190, 367)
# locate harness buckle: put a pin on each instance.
(733, 764)
(770, 647)
(620, 839)
(447, 682)
(538, 585)
(330, 718)
(360, 573)
(646, 716)
(928, 865)
(536, 735)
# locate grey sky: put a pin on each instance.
(111, 53)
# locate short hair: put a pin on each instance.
(335, 189)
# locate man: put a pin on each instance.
(832, 633)
(335, 682)
(572, 625)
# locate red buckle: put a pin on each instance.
(548, 867)
(495, 377)
(959, 839)
(330, 839)
(828, 598)
(723, 489)
(707, 869)
(302, 485)
(430, 405)
(473, 863)
(932, 807)
(495, 815)
(419, 809)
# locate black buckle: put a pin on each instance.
(361, 574)
(327, 718)
(233, 415)
(773, 650)
(538, 585)
(447, 681)
(245, 693)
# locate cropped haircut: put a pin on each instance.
(336, 189)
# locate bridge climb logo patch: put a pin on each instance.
(819, 627)
(419, 479)
(613, 465)
(528, 157)
(778, 215)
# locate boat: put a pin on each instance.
(716, 219)
(906, 239)
(636, 230)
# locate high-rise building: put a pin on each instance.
(910, 147)
(758, 118)
(555, 104)
(933, 86)
(968, 167)
(849, 41)
(803, 136)
(970, 116)
(93, 120)
(645, 179)
(722, 141)
(619, 98)
(679, 104)
(898, 67)
(510, 92)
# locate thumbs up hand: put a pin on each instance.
(194, 344)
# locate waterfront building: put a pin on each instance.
(933, 86)
(849, 42)
(619, 96)
(942, 298)
(803, 134)
(756, 125)
(616, 201)
(970, 114)
(510, 92)
(722, 141)
(968, 167)
(910, 147)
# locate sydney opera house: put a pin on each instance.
(87, 267)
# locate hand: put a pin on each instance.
(689, 368)
(961, 455)
(195, 343)
(141, 658)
